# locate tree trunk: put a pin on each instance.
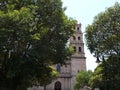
(44, 87)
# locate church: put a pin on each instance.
(69, 71)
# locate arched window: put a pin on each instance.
(78, 28)
(79, 38)
(80, 49)
(57, 86)
(58, 68)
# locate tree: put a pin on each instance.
(111, 73)
(103, 40)
(33, 36)
(82, 79)
(103, 36)
(96, 79)
(45, 79)
(106, 75)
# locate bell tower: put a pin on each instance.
(76, 41)
(78, 60)
(68, 72)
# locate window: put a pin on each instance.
(78, 28)
(79, 38)
(58, 68)
(79, 49)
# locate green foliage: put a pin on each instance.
(107, 75)
(45, 79)
(82, 79)
(96, 79)
(103, 36)
(103, 40)
(33, 36)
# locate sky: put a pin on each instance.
(84, 12)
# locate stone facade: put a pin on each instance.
(69, 71)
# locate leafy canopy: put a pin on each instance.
(103, 40)
(103, 35)
(82, 79)
(106, 75)
(33, 36)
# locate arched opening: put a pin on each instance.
(79, 38)
(80, 49)
(78, 28)
(57, 86)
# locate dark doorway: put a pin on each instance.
(57, 86)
